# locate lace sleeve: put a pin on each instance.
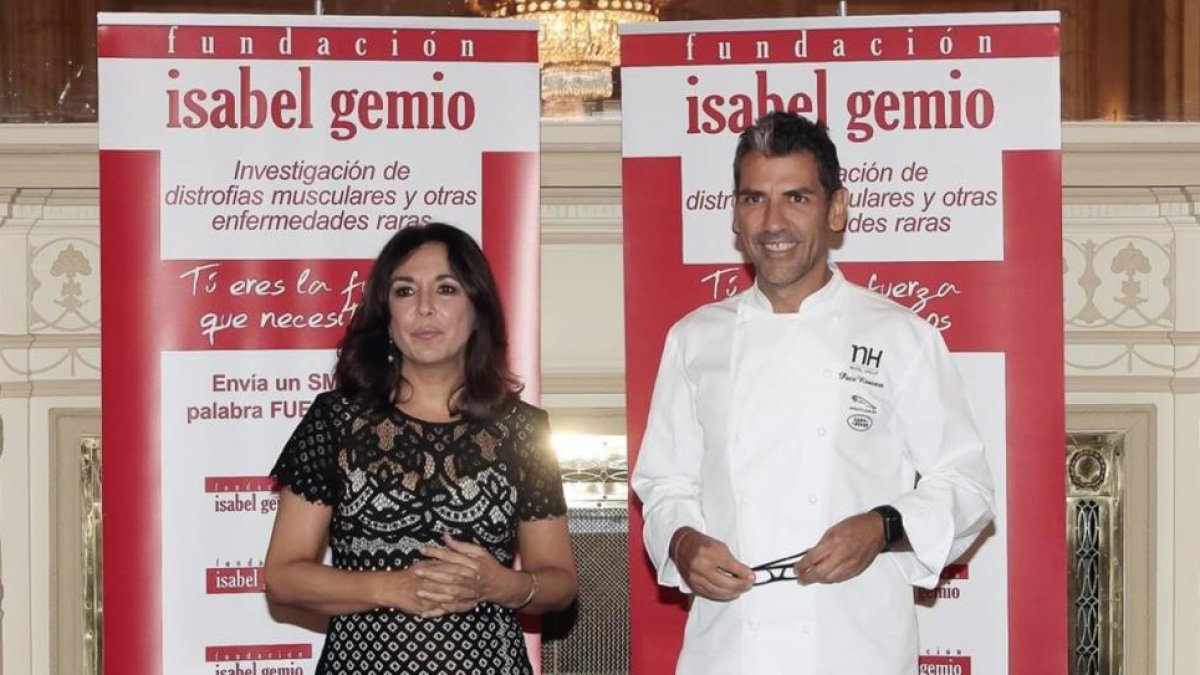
(308, 463)
(539, 483)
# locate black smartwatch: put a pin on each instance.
(893, 525)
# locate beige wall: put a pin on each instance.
(1131, 278)
(1131, 224)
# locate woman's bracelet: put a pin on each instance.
(533, 588)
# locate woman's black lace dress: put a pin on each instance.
(396, 483)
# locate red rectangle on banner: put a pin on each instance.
(826, 45)
(220, 580)
(944, 665)
(240, 484)
(961, 571)
(259, 43)
(262, 304)
(129, 366)
(281, 652)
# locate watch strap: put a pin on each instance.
(893, 525)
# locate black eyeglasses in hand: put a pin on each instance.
(782, 569)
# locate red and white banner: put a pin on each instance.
(251, 167)
(947, 128)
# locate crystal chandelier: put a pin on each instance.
(578, 45)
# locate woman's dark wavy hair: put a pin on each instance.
(363, 370)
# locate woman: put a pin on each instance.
(424, 471)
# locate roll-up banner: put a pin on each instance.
(947, 128)
(251, 167)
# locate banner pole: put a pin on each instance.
(842, 10)
(318, 8)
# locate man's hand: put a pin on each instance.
(844, 551)
(708, 567)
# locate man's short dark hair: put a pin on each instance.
(779, 134)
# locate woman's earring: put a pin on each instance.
(391, 357)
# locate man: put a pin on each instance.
(806, 413)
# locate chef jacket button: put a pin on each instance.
(753, 626)
(827, 372)
(821, 431)
(812, 499)
(744, 501)
(806, 628)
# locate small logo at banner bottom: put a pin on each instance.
(240, 494)
(957, 571)
(928, 596)
(240, 484)
(222, 580)
(945, 590)
(944, 665)
(246, 659)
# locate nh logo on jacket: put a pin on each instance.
(866, 356)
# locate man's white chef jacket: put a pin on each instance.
(766, 429)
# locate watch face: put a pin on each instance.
(893, 530)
